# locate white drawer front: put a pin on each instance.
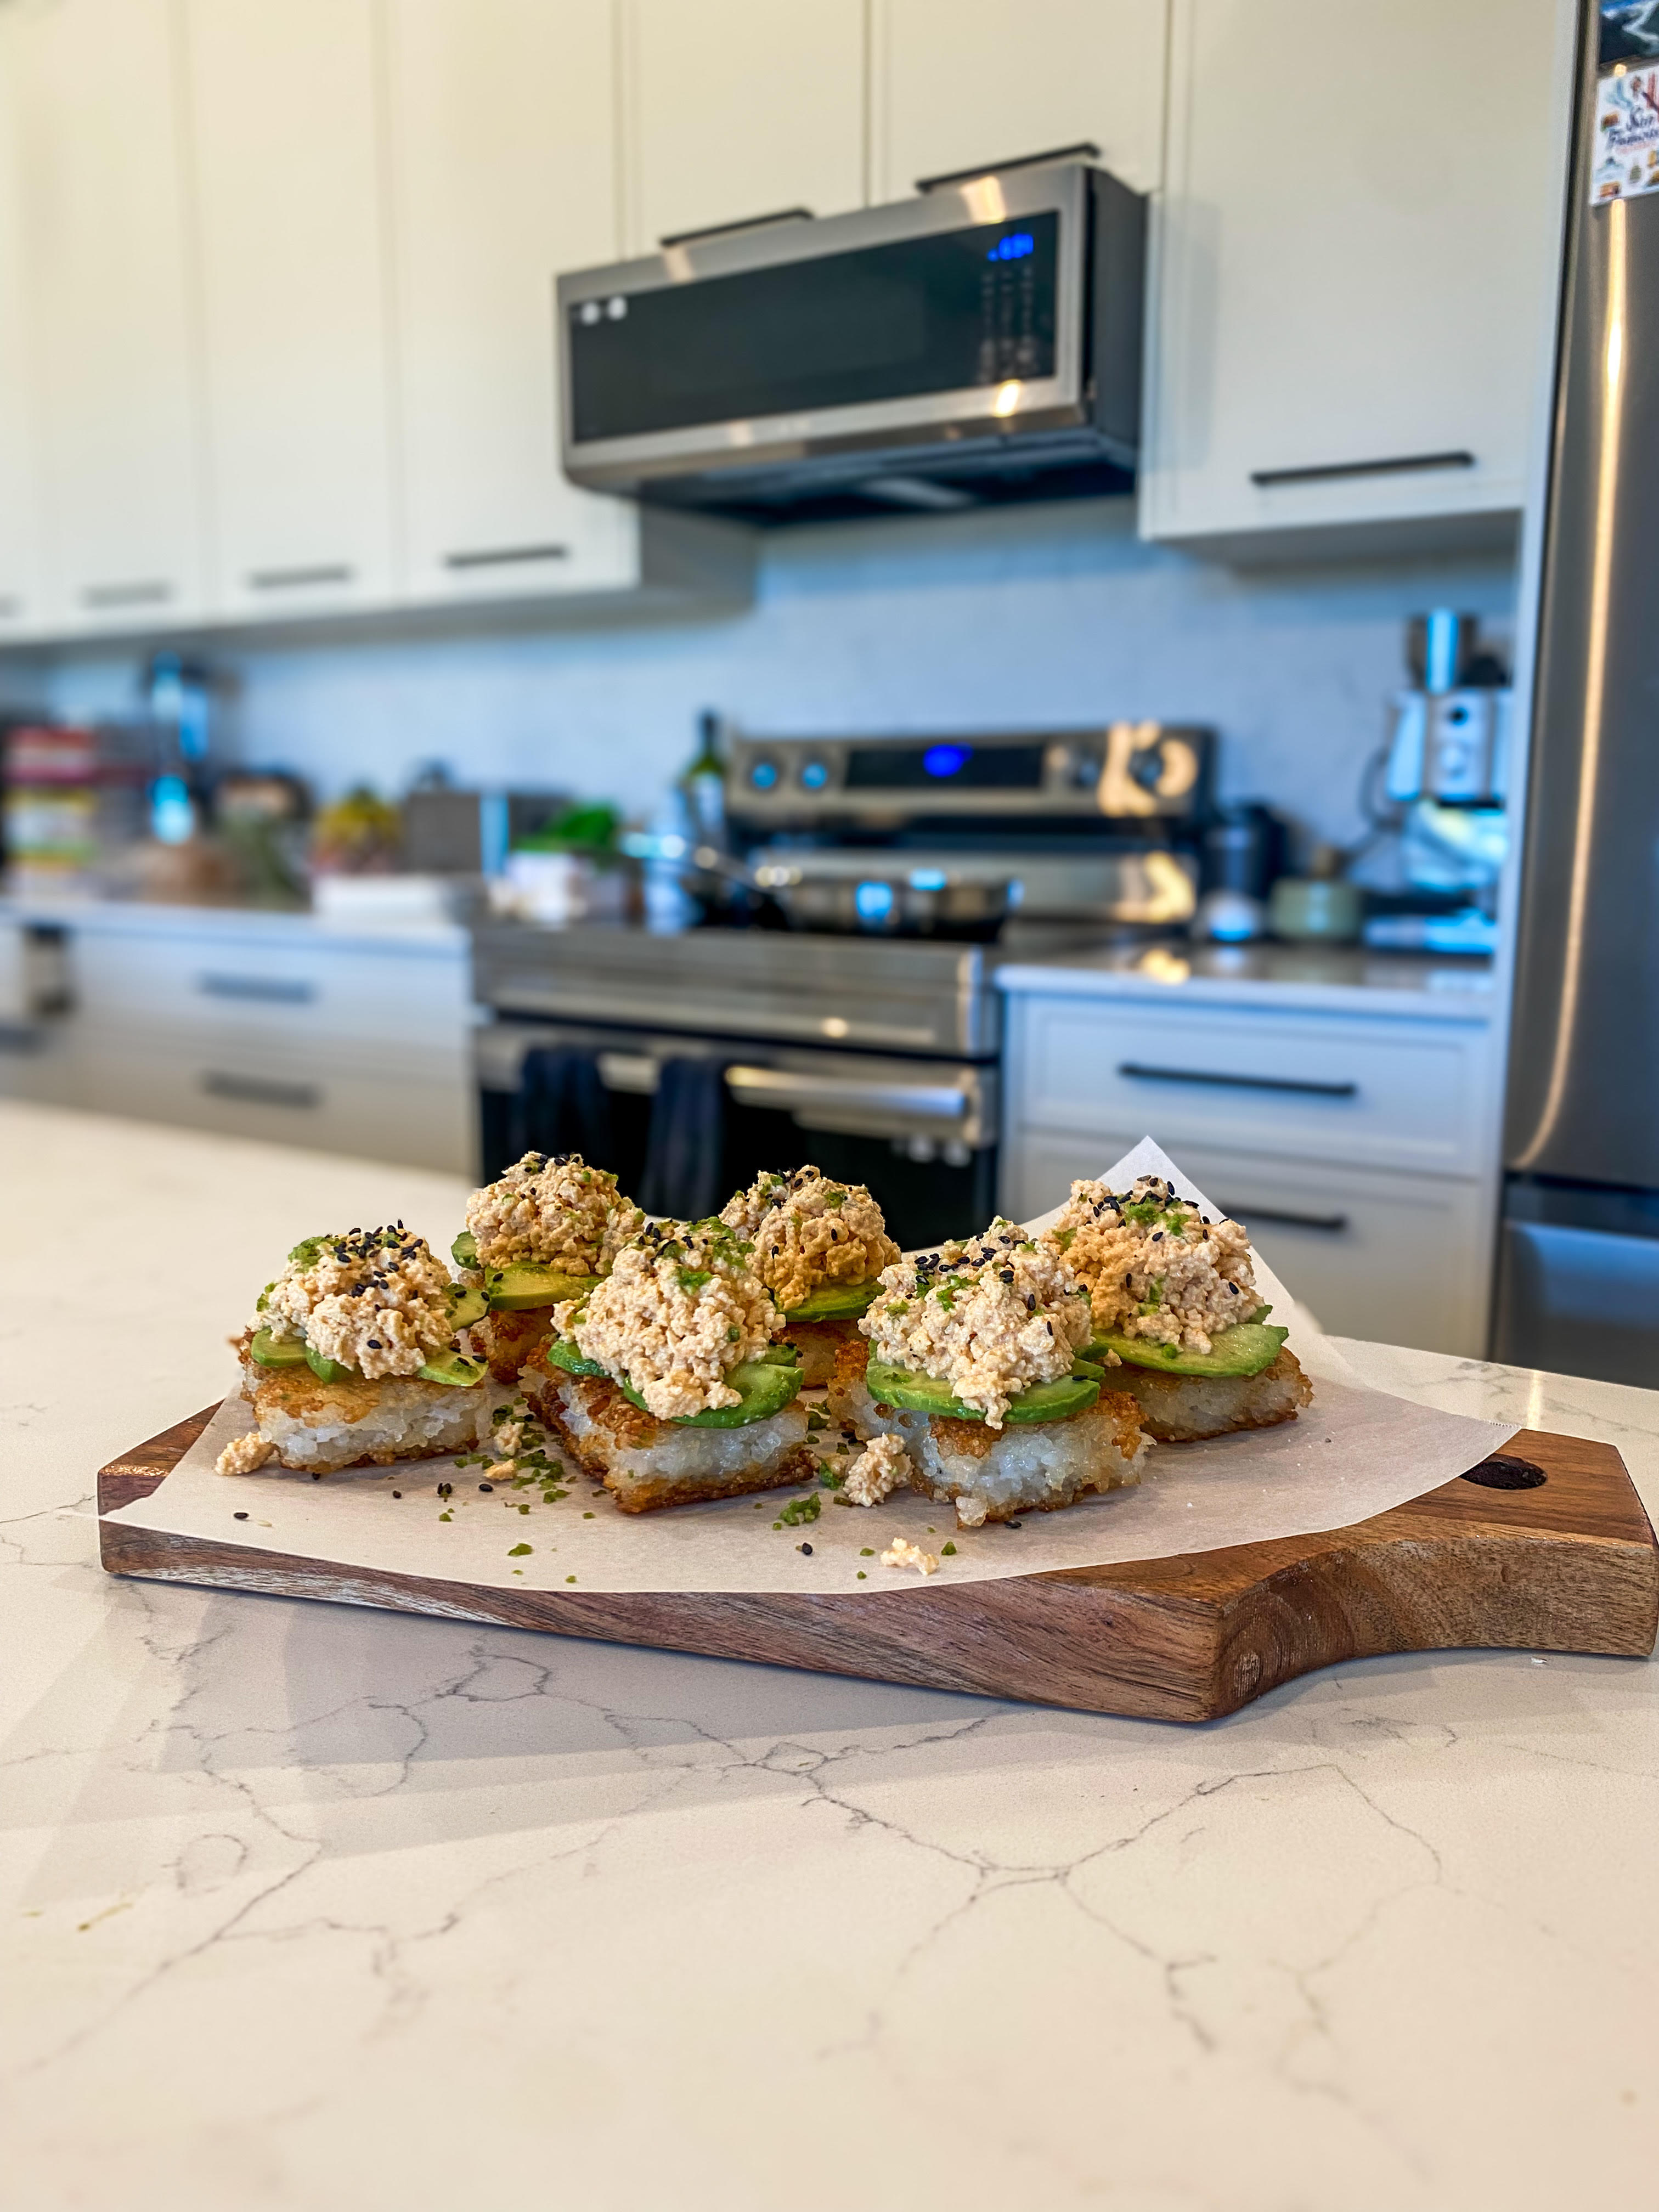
(275, 994)
(1399, 1258)
(284, 1099)
(1387, 1094)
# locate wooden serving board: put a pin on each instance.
(1568, 1564)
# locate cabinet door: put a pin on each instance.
(1014, 78)
(502, 129)
(286, 139)
(102, 219)
(1356, 259)
(18, 572)
(737, 108)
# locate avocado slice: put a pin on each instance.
(329, 1370)
(453, 1368)
(463, 1251)
(531, 1283)
(467, 1303)
(277, 1350)
(835, 1302)
(562, 1352)
(1244, 1349)
(924, 1393)
(304, 1253)
(767, 1389)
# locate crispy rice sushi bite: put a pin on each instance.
(547, 1230)
(1178, 1320)
(819, 1249)
(974, 1365)
(350, 1359)
(665, 1382)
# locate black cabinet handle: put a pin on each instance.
(260, 1090)
(505, 555)
(743, 223)
(1332, 1224)
(1084, 150)
(288, 580)
(271, 990)
(1137, 1074)
(148, 594)
(1393, 466)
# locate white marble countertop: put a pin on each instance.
(312, 1908)
(1309, 978)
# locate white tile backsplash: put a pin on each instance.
(1033, 616)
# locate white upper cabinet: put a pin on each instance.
(101, 228)
(286, 138)
(503, 165)
(990, 81)
(740, 108)
(1355, 263)
(20, 578)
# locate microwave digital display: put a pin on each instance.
(969, 767)
(943, 312)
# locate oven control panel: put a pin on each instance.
(1126, 772)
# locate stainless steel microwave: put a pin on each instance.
(979, 342)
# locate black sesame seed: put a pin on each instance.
(807, 1548)
(239, 1516)
(397, 1494)
(486, 1486)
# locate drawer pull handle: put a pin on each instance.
(271, 990)
(505, 555)
(260, 1090)
(146, 595)
(289, 580)
(1329, 1224)
(1304, 1088)
(1327, 472)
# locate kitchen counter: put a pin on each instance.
(238, 925)
(1316, 978)
(312, 1907)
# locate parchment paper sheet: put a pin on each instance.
(1355, 1451)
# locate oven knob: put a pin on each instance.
(814, 775)
(763, 775)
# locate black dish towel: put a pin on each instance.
(561, 1105)
(685, 1150)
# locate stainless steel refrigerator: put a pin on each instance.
(1578, 1261)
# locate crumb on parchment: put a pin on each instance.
(901, 1553)
(242, 1455)
(878, 1470)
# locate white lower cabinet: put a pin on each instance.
(1365, 1195)
(261, 1026)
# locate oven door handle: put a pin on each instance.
(787, 1092)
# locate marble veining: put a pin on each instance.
(308, 1907)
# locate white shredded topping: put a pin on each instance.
(809, 1232)
(989, 1317)
(375, 1299)
(877, 1471)
(1153, 1266)
(559, 1212)
(899, 1553)
(678, 1311)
